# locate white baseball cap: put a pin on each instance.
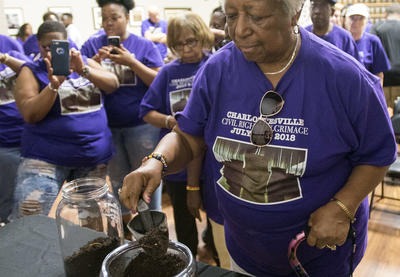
(358, 9)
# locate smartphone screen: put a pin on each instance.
(114, 41)
(60, 57)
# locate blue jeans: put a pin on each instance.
(131, 145)
(39, 182)
(9, 161)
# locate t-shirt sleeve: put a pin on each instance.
(366, 108)
(381, 61)
(155, 97)
(193, 119)
(153, 56)
(87, 49)
(16, 46)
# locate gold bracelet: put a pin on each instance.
(192, 188)
(345, 209)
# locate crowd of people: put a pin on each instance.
(267, 126)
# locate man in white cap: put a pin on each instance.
(371, 52)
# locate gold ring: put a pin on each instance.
(119, 191)
(331, 247)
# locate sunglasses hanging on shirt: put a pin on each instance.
(271, 104)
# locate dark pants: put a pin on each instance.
(185, 223)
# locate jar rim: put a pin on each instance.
(85, 188)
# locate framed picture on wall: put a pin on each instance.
(96, 13)
(15, 19)
(136, 16)
(60, 10)
(170, 12)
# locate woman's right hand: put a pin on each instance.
(54, 80)
(146, 178)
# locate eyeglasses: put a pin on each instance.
(191, 42)
(296, 265)
(270, 105)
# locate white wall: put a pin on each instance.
(82, 10)
(3, 24)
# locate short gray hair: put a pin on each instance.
(292, 7)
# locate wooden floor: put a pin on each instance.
(382, 258)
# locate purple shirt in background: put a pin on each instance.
(342, 39)
(74, 133)
(11, 122)
(160, 27)
(372, 54)
(123, 105)
(168, 94)
(329, 123)
(31, 47)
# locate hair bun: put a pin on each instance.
(128, 4)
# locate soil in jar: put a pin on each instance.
(155, 242)
(88, 259)
(144, 266)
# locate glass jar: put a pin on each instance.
(89, 223)
(117, 263)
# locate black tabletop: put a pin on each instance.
(29, 247)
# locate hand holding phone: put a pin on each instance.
(60, 57)
(114, 41)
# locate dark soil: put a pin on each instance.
(87, 261)
(155, 242)
(145, 266)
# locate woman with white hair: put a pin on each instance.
(300, 136)
(370, 49)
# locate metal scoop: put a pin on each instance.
(150, 229)
(145, 215)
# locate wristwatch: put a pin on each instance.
(86, 72)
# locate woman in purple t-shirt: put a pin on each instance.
(66, 134)
(300, 136)
(190, 39)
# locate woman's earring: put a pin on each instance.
(296, 29)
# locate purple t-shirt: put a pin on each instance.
(122, 105)
(333, 119)
(11, 122)
(342, 39)
(168, 94)
(31, 47)
(372, 54)
(74, 133)
(156, 28)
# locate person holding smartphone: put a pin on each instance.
(66, 135)
(136, 63)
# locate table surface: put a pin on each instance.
(29, 247)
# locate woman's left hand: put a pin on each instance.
(76, 61)
(123, 56)
(329, 226)
(55, 80)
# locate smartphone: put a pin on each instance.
(114, 41)
(60, 57)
